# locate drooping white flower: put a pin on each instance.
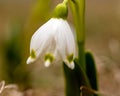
(52, 41)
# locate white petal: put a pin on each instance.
(65, 39)
(43, 39)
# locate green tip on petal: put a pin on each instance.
(70, 58)
(70, 65)
(61, 11)
(69, 61)
(48, 59)
(33, 54)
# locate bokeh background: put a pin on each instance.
(19, 19)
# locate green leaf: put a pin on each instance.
(91, 71)
(74, 79)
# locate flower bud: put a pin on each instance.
(61, 11)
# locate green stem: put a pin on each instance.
(81, 55)
(78, 10)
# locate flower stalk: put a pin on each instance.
(78, 11)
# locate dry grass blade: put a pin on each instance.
(2, 85)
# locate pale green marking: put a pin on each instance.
(49, 57)
(33, 54)
(70, 58)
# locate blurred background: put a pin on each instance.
(19, 19)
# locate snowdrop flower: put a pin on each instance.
(52, 41)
